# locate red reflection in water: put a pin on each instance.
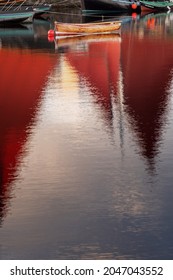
(147, 60)
(97, 61)
(23, 76)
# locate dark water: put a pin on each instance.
(86, 133)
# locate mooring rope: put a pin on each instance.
(80, 14)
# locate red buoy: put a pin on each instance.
(51, 33)
(134, 6)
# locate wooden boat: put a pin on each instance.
(155, 6)
(74, 29)
(103, 6)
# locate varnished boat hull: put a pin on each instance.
(63, 29)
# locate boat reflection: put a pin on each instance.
(57, 163)
(155, 24)
(27, 36)
(147, 61)
(96, 59)
(136, 84)
(21, 88)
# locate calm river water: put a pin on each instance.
(86, 135)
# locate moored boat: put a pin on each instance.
(155, 6)
(12, 16)
(78, 29)
(20, 6)
(103, 6)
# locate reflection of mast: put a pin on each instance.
(118, 108)
(120, 100)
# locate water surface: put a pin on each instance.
(86, 143)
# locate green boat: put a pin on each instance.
(156, 5)
(14, 17)
(16, 11)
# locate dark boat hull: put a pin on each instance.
(41, 9)
(13, 17)
(37, 9)
(109, 5)
(155, 6)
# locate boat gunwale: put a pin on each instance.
(86, 28)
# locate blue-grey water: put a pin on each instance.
(86, 133)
